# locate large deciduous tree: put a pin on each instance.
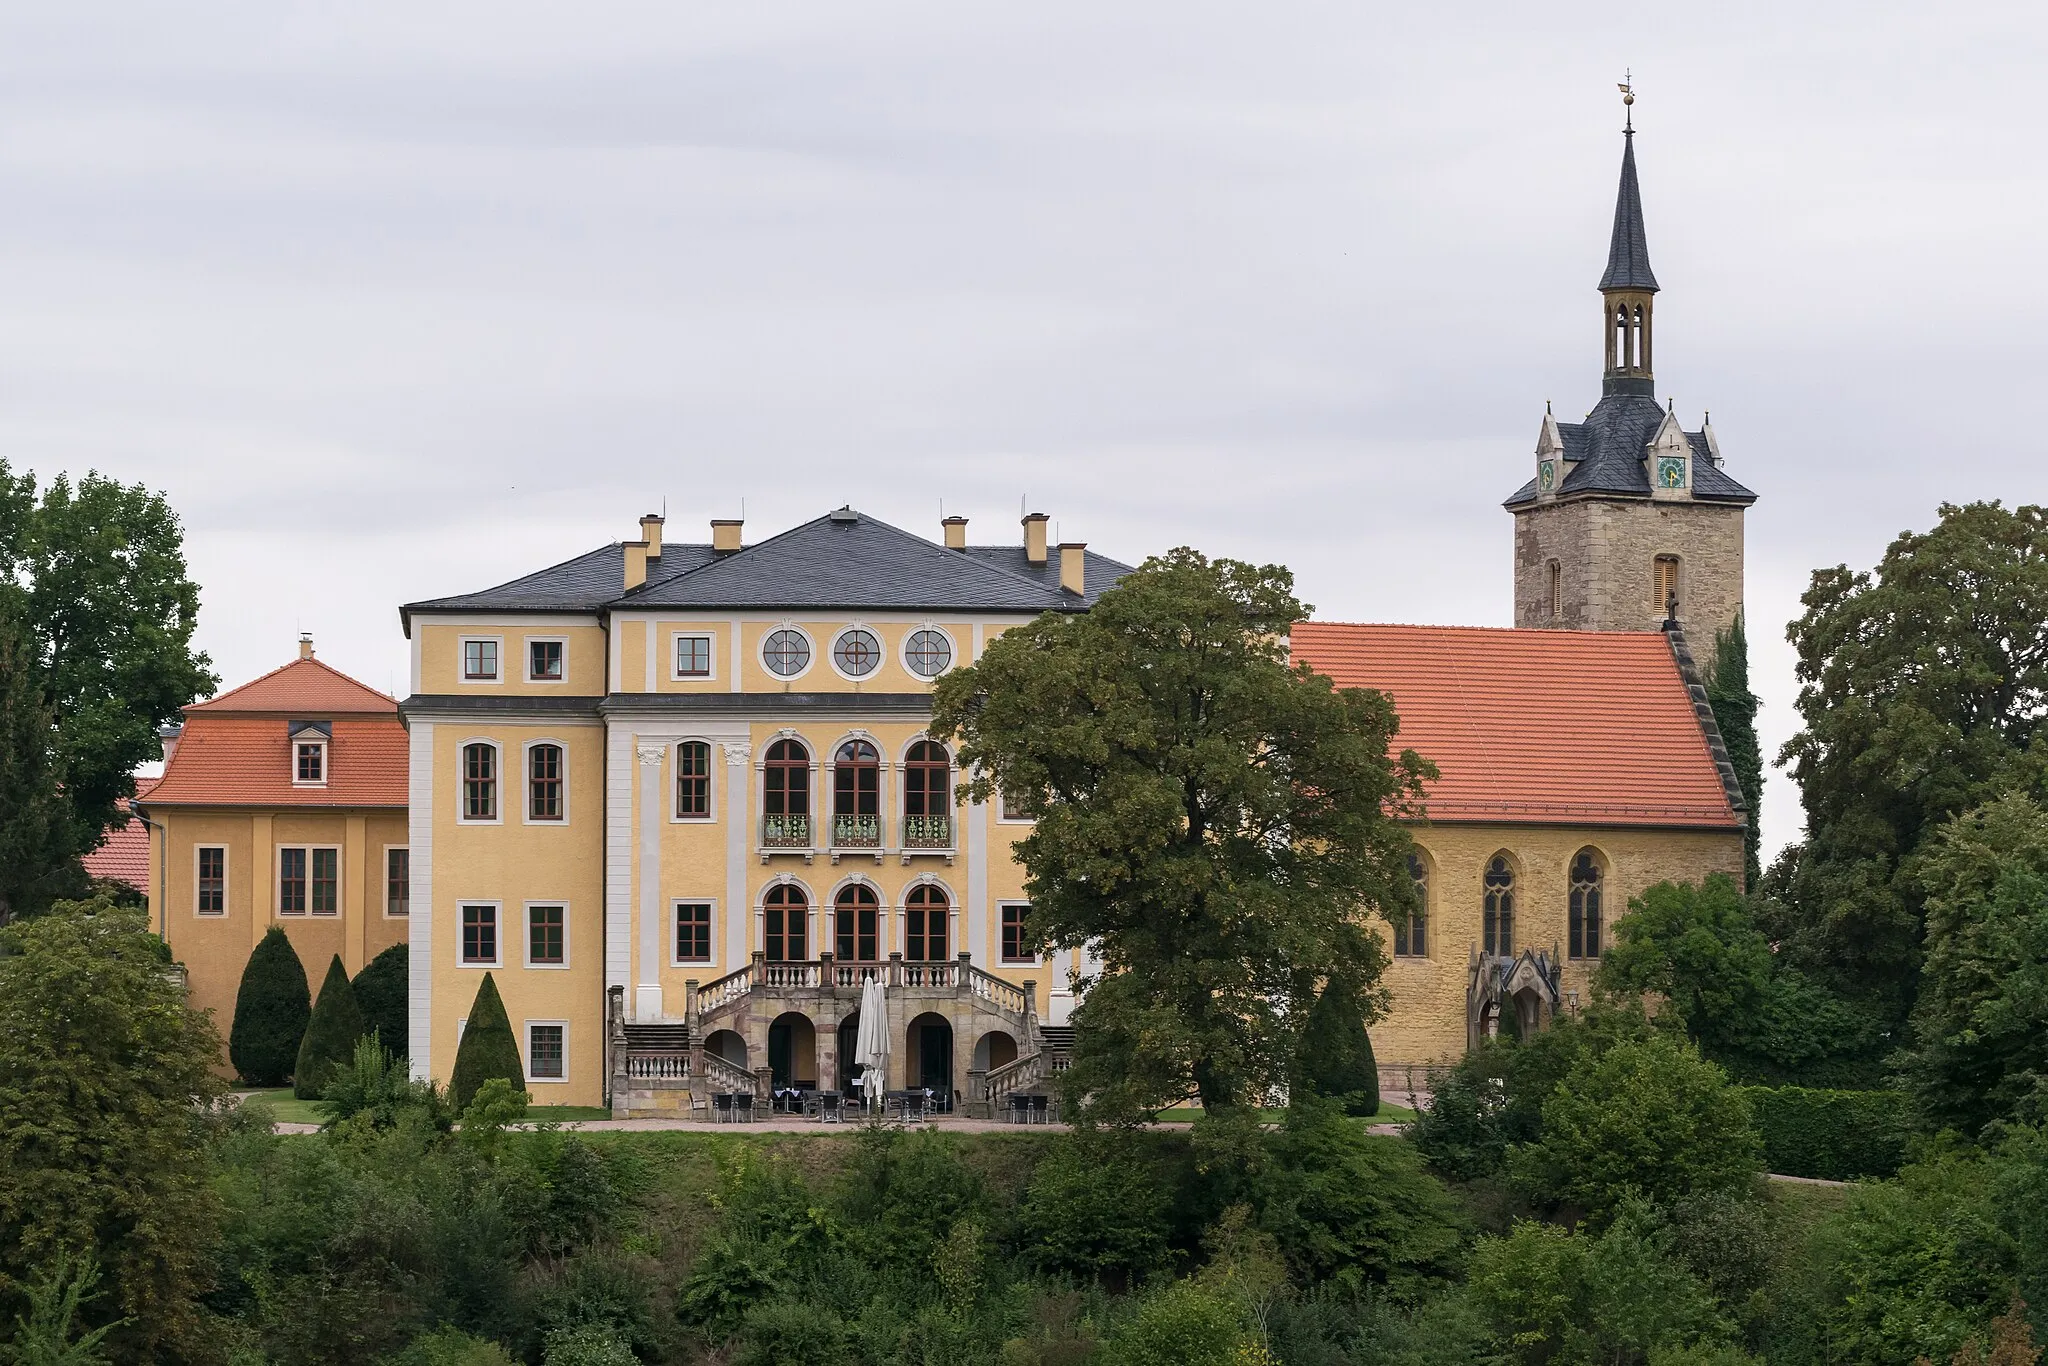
(1924, 692)
(1216, 821)
(105, 1079)
(108, 610)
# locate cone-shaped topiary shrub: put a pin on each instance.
(271, 1010)
(331, 1035)
(1336, 1052)
(488, 1048)
(383, 991)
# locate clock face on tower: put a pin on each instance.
(1546, 475)
(1671, 471)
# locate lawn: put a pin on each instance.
(287, 1109)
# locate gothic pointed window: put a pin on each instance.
(1499, 927)
(785, 914)
(1411, 924)
(856, 924)
(1587, 880)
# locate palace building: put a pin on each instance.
(680, 800)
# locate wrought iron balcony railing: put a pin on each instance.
(856, 832)
(927, 832)
(785, 832)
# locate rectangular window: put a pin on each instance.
(326, 881)
(544, 783)
(693, 781)
(1664, 585)
(480, 661)
(312, 763)
(213, 881)
(480, 935)
(693, 931)
(547, 943)
(1556, 591)
(291, 882)
(479, 782)
(397, 882)
(1015, 943)
(693, 656)
(546, 1055)
(544, 661)
(1008, 808)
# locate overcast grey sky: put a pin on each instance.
(396, 301)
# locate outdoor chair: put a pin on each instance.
(721, 1107)
(828, 1108)
(743, 1108)
(1041, 1109)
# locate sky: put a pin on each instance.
(398, 301)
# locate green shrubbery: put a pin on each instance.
(1836, 1135)
(331, 1034)
(488, 1048)
(272, 1008)
(384, 994)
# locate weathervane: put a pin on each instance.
(1628, 97)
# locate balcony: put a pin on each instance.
(787, 833)
(861, 834)
(928, 835)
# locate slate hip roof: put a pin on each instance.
(1604, 455)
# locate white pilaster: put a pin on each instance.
(647, 980)
(739, 820)
(419, 931)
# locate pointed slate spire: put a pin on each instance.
(1628, 256)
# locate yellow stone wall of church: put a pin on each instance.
(1426, 1021)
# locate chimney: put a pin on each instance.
(956, 532)
(725, 536)
(1034, 537)
(1074, 567)
(650, 532)
(305, 645)
(168, 737)
(636, 564)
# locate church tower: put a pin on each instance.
(1629, 517)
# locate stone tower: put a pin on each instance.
(1629, 517)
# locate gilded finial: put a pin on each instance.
(1628, 98)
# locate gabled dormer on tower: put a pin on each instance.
(1630, 517)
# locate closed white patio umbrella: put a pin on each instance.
(871, 1043)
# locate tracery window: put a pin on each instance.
(1498, 935)
(1587, 878)
(1411, 926)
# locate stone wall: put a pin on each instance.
(1427, 1021)
(1605, 549)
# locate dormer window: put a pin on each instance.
(309, 753)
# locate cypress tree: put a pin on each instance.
(383, 993)
(1336, 1054)
(1734, 707)
(331, 1034)
(488, 1048)
(271, 1010)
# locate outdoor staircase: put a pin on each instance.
(658, 1038)
(1059, 1044)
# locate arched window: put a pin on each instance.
(1587, 878)
(924, 930)
(856, 924)
(544, 783)
(1556, 591)
(785, 913)
(693, 781)
(857, 796)
(786, 795)
(1411, 926)
(1664, 585)
(927, 791)
(1499, 932)
(480, 782)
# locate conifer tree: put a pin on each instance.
(331, 1034)
(271, 1011)
(1735, 707)
(1336, 1054)
(488, 1048)
(383, 991)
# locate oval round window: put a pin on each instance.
(928, 653)
(786, 653)
(857, 652)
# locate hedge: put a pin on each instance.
(488, 1048)
(330, 1038)
(271, 1010)
(1834, 1135)
(382, 992)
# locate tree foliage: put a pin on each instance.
(488, 1049)
(1980, 1029)
(272, 1008)
(1924, 692)
(105, 1076)
(1735, 708)
(1336, 1052)
(38, 844)
(109, 611)
(1213, 819)
(329, 1043)
(383, 993)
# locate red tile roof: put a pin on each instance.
(124, 857)
(1576, 727)
(304, 687)
(235, 750)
